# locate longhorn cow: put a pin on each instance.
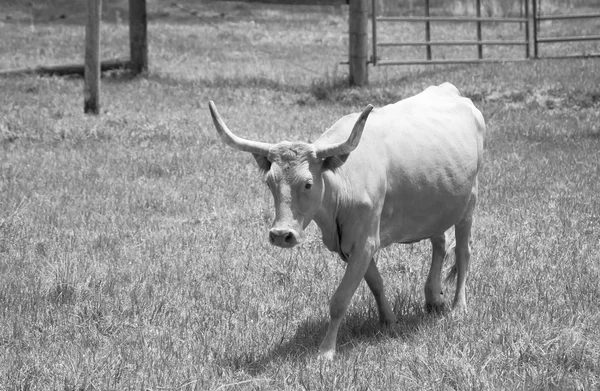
(401, 173)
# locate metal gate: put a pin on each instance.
(531, 36)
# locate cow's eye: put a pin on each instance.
(308, 185)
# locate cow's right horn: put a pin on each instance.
(351, 143)
(234, 141)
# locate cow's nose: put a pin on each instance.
(282, 237)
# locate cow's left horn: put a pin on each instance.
(349, 145)
(234, 141)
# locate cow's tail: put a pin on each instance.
(450, 251)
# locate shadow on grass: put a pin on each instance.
(357, 329)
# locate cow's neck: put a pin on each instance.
(327, 217)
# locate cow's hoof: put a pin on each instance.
(459, 308)
(436, 308)
(326, 355)
(387, 321)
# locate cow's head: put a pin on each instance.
(294, 175)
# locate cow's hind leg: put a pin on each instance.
(462, 231)
(433, 286)
(463, 256)
(375, 283)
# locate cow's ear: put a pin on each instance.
(334, 162)
(263, 163)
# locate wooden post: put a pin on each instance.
(138, 36)
(91, 89)
(359, 44)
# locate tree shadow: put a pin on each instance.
(357, 328)
(190, 12)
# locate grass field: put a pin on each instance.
(133, 245)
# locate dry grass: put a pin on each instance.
(133, 251)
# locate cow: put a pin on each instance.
(401, 173)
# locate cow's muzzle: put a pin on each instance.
(283, 237)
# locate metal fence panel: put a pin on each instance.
(530, 35)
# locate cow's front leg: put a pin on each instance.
(375, 283)
(358, 263)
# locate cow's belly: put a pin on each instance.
(423, 213)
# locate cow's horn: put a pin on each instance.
(234, 141)
(347, 146)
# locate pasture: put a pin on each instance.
(134, 246)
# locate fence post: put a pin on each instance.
(534, 11)
(91, 87)
(527, 24)
(374, 31)
(427, 30)
(479, 46)
(359, 44)
(138, 36)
